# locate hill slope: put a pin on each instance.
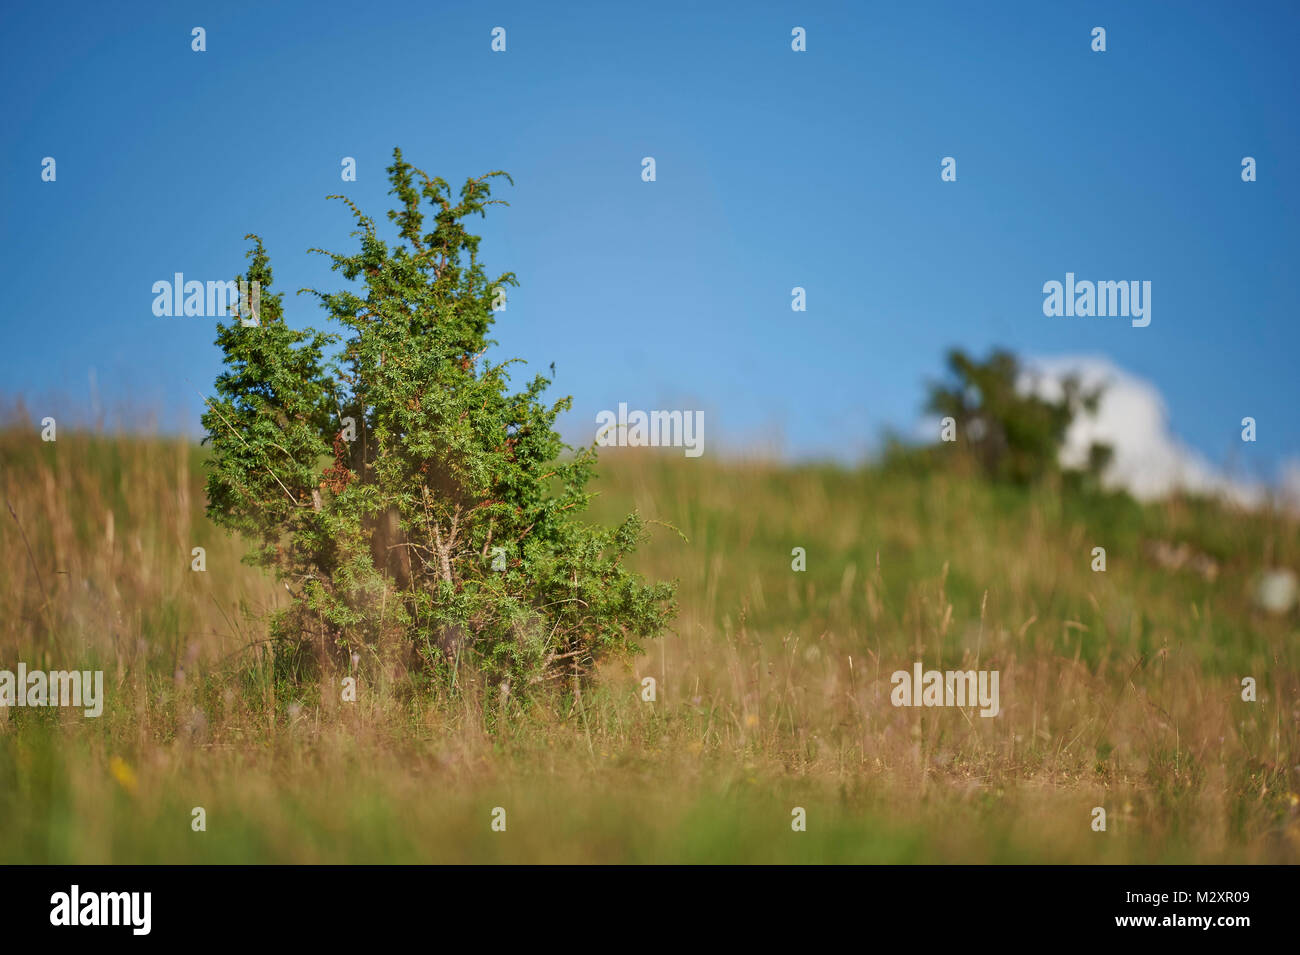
(1118, 689)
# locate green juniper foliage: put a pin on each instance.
(406, 498)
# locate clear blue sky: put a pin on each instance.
(775, 169)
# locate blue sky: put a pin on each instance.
(775, 169)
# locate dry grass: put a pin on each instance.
(1119, 690)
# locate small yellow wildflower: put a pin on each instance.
(124, 774)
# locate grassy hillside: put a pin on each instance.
(1119, 689)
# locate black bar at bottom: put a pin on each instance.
(967, 904)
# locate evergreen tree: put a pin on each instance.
(390, 477)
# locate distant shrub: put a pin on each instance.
(396, 486)
(1011, 433)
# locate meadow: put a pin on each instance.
(1119, 689)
